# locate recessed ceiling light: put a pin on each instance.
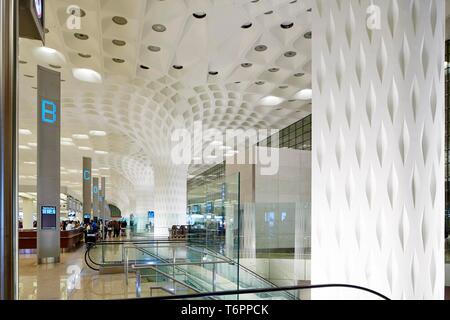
(85, 148)
(177, 67)
(21, 147)
(154, 48)
(308, 35)
(246, 65)
(144, 67)
(283, 87)
(29, 75)
(271, 101)
(67, 139)
(22, 62)
(287, 25)
(32, 144)
(120, 20)
(260, 48)
(84, 55)
(81, 36)
(31, 163)
(213, 73)
(274, 69)
(97, 133)
(101, 152)
(259, 83)
(80, 136)
(290, 54)
(159, 27)
(299, 74)
(25, 132)
(67, 143)
(117, 60)
(246, 25)
(305, 94)
(199, 15)
(119, 43)
(54, 66)
(87, 75)
(268, 12)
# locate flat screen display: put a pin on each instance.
(48, 217)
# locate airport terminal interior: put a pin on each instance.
(178, 148)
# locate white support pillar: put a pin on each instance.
(378, 155)
(28, 210)
(170, 196)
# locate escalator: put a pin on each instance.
(182, 268)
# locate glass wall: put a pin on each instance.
(447, 152)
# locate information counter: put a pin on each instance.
(69, 239)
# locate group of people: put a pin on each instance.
(70, 225)
(113, 229)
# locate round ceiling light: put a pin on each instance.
(177, 67)
(287, 25)
(290, 54)
(246, 65)
(120, 20)
(159, 28)
(154, 48)
(86, 75)
(308, 35)
(144, 67)
(269, 12)
(271, 101)
(84, 55)
(305, 94)
(246, 25)
(81, 36)
(22, 62)
(299, 74)
(274, 69)
(54, 66)
(119, 43)
(213, 73)
(199, 15)
(259, 83)
(117, 60)
(260, 48)
(283, 87)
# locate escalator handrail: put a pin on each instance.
(266, 290)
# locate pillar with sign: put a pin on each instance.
(48, 165)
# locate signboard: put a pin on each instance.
(48, 217)
(31, 19)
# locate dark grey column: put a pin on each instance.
(48, 164)
(95, 197)
(8, 182)
(87, 187)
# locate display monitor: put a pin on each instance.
(48, 217)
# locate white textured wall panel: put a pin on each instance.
(378, 155)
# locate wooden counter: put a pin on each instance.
(68, 240)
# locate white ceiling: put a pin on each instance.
(138, 108)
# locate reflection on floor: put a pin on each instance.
(56, 282)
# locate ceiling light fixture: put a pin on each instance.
(119, 43)
(117, 60)
(81, 36)
(199, 15)
(287, 25)
(97, 133)
(85, 148)
(87, 75)
(260, 48)
(177, 67)
(154, 48)
(101, 152)
(25, 132)
(120, 20)
(21, 147)
(246, 25)
(271, 101)
(246, 65)
(32, 144)
(305, 94)
(80, 136)
(159, 27)
(67, 143)
(290, 54)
